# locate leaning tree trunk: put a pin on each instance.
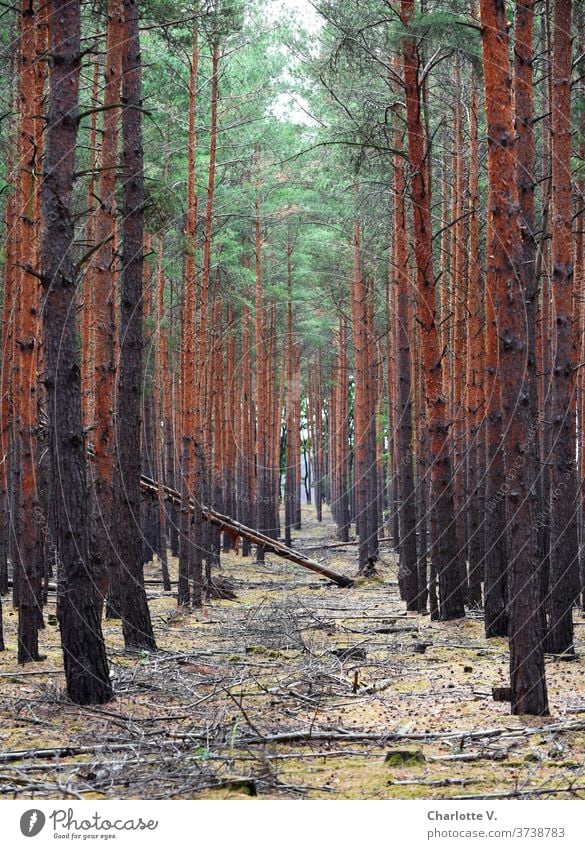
(136, 623)
(86, 666)
(517, 363)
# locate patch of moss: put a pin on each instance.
(405, 757)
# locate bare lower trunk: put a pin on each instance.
(86, 666)
(136, 623)
(444, 549)
(517, 363)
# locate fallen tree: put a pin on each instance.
(236, 529)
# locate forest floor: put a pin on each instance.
(298, 689)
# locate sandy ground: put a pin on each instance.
(298, 689)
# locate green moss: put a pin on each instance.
(405, 757)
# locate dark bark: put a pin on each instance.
(564, 557)
(475, 409)
(86, 666)
(105, 290)
(136, 622)
(408, 559)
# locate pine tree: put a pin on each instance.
(444, 550)
(516, 363)
(86, 666)
(136, 624)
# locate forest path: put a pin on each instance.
(297, 689)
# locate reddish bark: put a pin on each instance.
(160, 391)
(360, 409)
(444, 550)
(87, 303)
(6, 360)
(28, 550)
(580, 292)
(516, 361)
(229, 425)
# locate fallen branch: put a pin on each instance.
(99, 748)
(470, 757)
(377, 686)
(31, 672)
(391, 736)
(340, 544)
(437, 782)
(525, 794)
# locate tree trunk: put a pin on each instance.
(6, 408)
(87, 301)
(105, 293)
(28, 549)
(318, 447)
(149, 515)
(290, 474)
(261, 390)
(160, 365)
(360, 409)
(475, 409)
(136, 623)
(517, 362)
(444, 549)
(459, 295)
(190, 531)
(231, 446)
(564, 556)
(86, 666)
(203, 446)
(408, 568)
